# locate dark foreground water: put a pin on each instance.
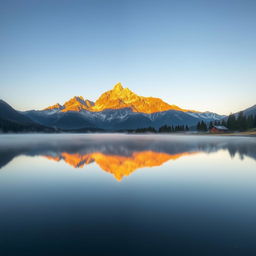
(127, 195)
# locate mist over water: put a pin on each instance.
(112, 194)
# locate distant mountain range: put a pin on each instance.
(249, 111)
(14, 121)
(116, 109)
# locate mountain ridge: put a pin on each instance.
(118, 109)
(117, 119)
(118, 98)
(12, 120)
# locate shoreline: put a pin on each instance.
(242, 134)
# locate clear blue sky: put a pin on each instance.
(195, 54)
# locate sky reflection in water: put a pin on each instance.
(178, 194)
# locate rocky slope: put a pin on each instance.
(117, 98)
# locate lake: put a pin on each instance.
(114, 194)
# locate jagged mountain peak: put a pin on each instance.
(75, 100)
(78, 98)
(118, 87)
(121, 92)
(120, 97)
(117, 98)
(54, 107)
(77, 103)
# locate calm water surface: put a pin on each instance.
(127, 195)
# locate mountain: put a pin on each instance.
(250, 111)
(120, 97)
(117, 109)
(117, 98)
(55, 107)
(77, 103)
(12, 120)
(10, 114)
(206, 116)
(115, 119)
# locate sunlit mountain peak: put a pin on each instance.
(77, 103)
(54, 107)
(118, 87)
(118, 98)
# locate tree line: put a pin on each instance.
(241, 122)
(238, 122)
(162, 129)
(7, 126)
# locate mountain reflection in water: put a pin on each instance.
(119, 155)
(119, 166)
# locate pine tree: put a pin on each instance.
(204, 126)
(241, 122)
(201, 126)
(198, 126)
(231, 122)
(210, 125)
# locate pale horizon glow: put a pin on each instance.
(198, 55)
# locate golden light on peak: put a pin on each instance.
(118, 98)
